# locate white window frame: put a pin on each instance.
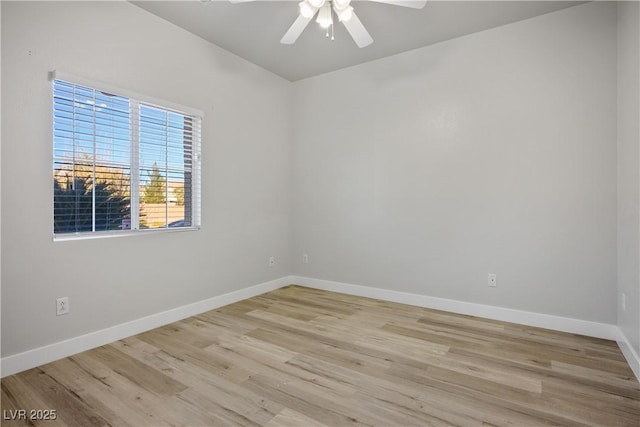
(136, 99)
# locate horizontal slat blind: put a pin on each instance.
(92, 152)
(166, 168)
(95, 144)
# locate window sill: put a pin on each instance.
(111, 234)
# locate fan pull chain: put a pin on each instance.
(327, 34)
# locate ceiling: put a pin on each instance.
(253, 30)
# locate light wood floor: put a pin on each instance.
(303, 357)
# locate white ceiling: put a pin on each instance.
(253, 30)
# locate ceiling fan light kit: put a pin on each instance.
(325, 18)
(345, 13)
(341, 4)
(342, 9)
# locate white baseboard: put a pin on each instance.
(30, 359)
(563, 324)
(630, 354)
(547, 321)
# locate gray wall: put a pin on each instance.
(629, 171)
(245, 178)
(422, 172)
(490, 153)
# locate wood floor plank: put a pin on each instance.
(137, 372)
(17, 396)
(237, 405)
(71, 409)
(291, 418)
(132, 403)
(299, 357)
(385, 391)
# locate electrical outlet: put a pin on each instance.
(62, 306)
(305, 259)
(272, 261)
(493, 280)
(623, 301)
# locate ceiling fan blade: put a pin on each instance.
(415, 4)
(297, 28)
(359, 34)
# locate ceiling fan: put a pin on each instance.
(325, 9)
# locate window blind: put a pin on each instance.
(122, 164)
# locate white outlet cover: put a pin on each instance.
(493, 280)
(62, 306)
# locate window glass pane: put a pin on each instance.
(102, 167)
(91, 168)
(165, 168)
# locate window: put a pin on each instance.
(122, 164)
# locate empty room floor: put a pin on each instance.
(304, 357)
